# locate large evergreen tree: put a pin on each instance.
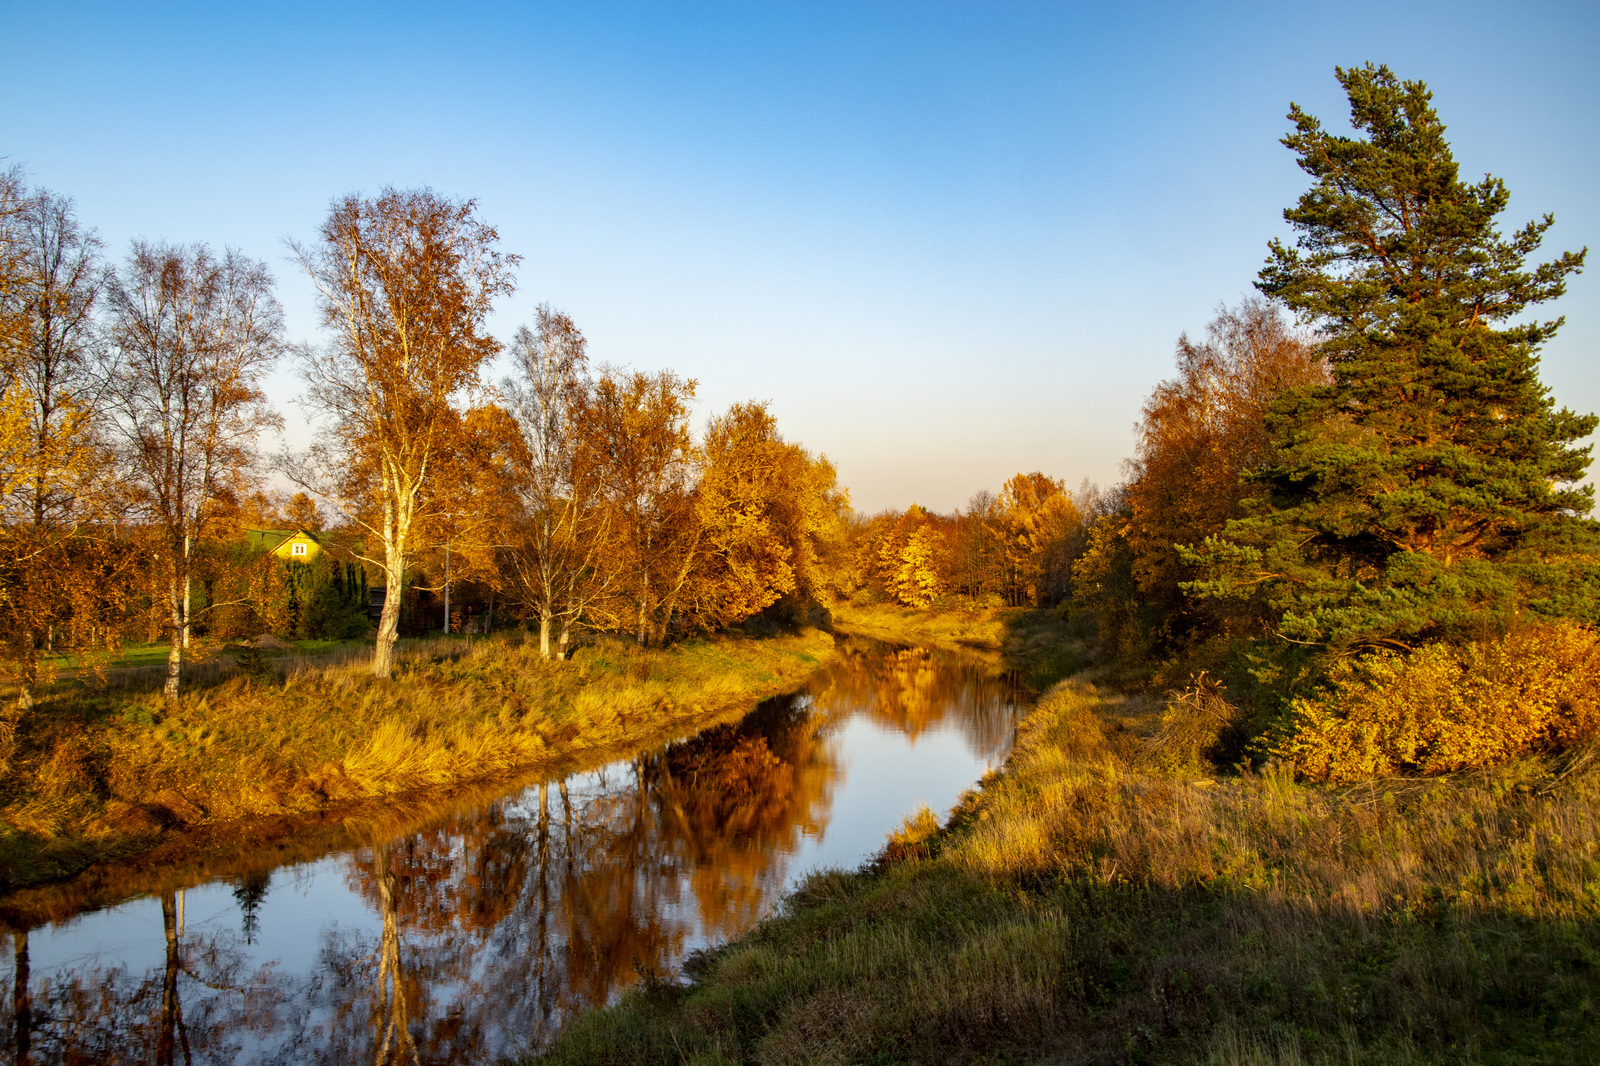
(1430, 488)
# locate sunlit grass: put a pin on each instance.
(960, 627)
(89, 776)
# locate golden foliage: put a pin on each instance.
(1445, 708)
(405, 282)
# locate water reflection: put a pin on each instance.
(482, 933)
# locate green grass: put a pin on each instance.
(94, 776)
(156, 654)
(1098, 902)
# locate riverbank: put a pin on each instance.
(1036, 642)
(105, 776)
(1089, 905)
(964, 628)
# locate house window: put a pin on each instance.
(297, 549)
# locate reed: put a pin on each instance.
(109, 774)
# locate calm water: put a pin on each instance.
(479, 934)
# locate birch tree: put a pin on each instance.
(192, 335)
(637, 441)
(555, 546)
(405, 283)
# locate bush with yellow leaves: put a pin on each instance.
(1450, 707)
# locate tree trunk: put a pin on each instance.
(179, 627)
(544, 633)
(21, 997)
(173, 1035)
(30, 678)
(389, 621)
(188, 606)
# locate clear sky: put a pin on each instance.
(948, 242)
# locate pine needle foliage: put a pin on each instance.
(1430, 490)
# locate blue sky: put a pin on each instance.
(948, 242)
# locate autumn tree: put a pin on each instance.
(193, 334)
(557, 537)
(1036, 519)
(405, 284)
(768, 513)
(978, 565)
(55, 469)
(911, 558)
(474, 503)
(1202, 437)
(639, 447)
(13, 202)
(1431, 488)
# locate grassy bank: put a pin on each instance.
(1035, 642)
(962, 628)
(1098, 902)
(96, 777)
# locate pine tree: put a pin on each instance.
(1430, 488)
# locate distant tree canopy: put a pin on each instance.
(1015, 549)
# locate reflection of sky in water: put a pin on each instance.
(633, 869)
(883, 778)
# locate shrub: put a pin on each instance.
(1444, 707)
(1198, 730)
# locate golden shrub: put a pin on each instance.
(1448, 707)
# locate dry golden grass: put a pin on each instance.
(103, 777)
(980, 629)
(1523, 840)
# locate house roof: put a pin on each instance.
(272, 539)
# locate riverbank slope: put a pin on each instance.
(91, 777)
(1099, 902)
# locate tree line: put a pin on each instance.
(132, 418)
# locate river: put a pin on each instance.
(476, 933)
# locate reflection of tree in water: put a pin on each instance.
(194, 1008)
(508, 921)
(248, 893)
(735, 803)
(912, 690)
(497, 925)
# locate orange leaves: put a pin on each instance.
(405, 283)
(910, 557)
(1201, 433)
(769, 511)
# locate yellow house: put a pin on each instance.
(295, 546)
